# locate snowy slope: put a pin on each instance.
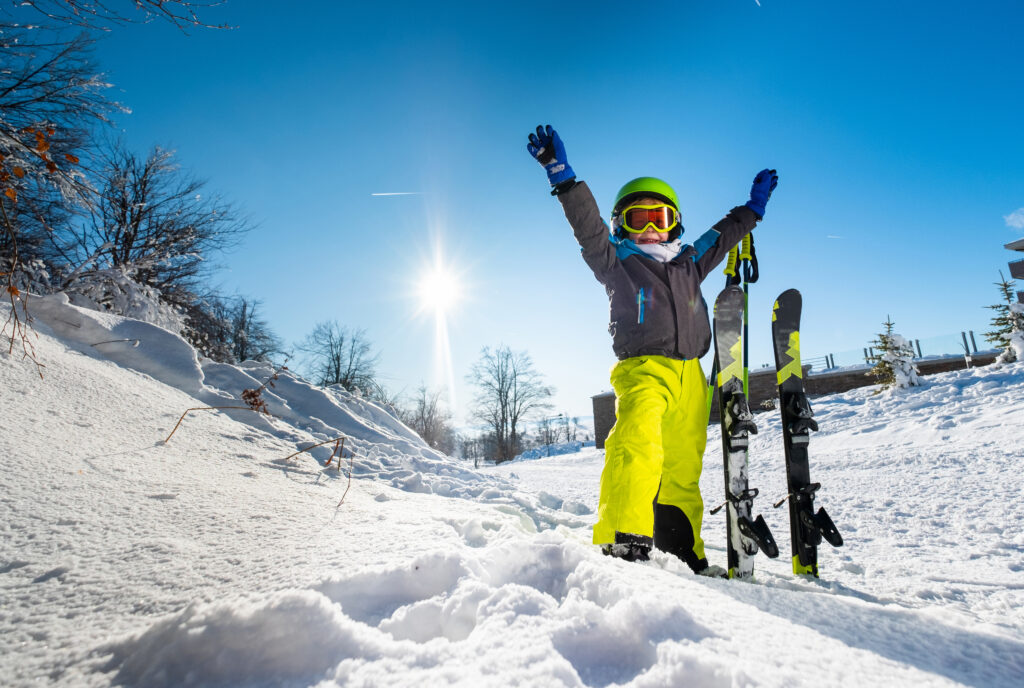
(210, 560)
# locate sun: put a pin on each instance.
(439, 290)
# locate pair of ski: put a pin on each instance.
(745, 533)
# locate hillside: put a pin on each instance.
(211, 559)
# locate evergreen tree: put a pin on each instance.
(882, 344)
(902, 360)
(1005, 322)
(894, 359)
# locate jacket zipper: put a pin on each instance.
(640, 301)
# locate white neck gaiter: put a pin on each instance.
(662, 253)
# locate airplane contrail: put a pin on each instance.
(398, 193)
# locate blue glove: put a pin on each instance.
(547, 148)
(764, 183)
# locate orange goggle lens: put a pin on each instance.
(636, 218)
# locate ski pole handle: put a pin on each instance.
(748, 242)
(730, 266)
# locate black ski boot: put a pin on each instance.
(629, 547)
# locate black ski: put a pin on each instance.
(807, 527)
(745, 534)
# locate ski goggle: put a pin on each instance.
(637, 218)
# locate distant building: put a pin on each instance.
(1017, 266)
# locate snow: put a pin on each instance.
(113, 290)
(901, 358)
(209, 559)
(1017, 336)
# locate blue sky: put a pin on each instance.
(895, 128)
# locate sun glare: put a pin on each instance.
(439, 290)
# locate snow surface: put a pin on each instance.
(210, 560)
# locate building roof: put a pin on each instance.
(1016, 245)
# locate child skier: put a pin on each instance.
(660, 329)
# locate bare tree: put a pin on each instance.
(51, 99)
(572, 428)
(431, 420)
(337, 355)
(547, 432)
(478, 448)
(152, 222)
(509, 391)
(208, 327)
(228, 330)
(251, 336)
(97, 13)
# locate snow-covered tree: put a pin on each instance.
(1007, 324)
(51, 97)
(901, 358)
(155, 223)
(894, 359)
(208, 327)
(113, 290)
(882, 370)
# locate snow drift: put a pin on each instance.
(209, 560)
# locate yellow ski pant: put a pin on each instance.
(658, 440)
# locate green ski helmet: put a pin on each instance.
(651, 187)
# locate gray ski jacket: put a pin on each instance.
(656, 308)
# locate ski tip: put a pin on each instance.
(791, 299)
(728, 293)
(728, 300)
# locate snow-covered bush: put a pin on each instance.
(894, 362)
(32, 276)
(112, 290)
(901, 358)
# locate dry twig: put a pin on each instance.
(206, 408)
(254, 397)
(319, 444)
(339, 448)
(351, 458)
(339, 452)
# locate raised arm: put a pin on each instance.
(577, 202)
(715, 244)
